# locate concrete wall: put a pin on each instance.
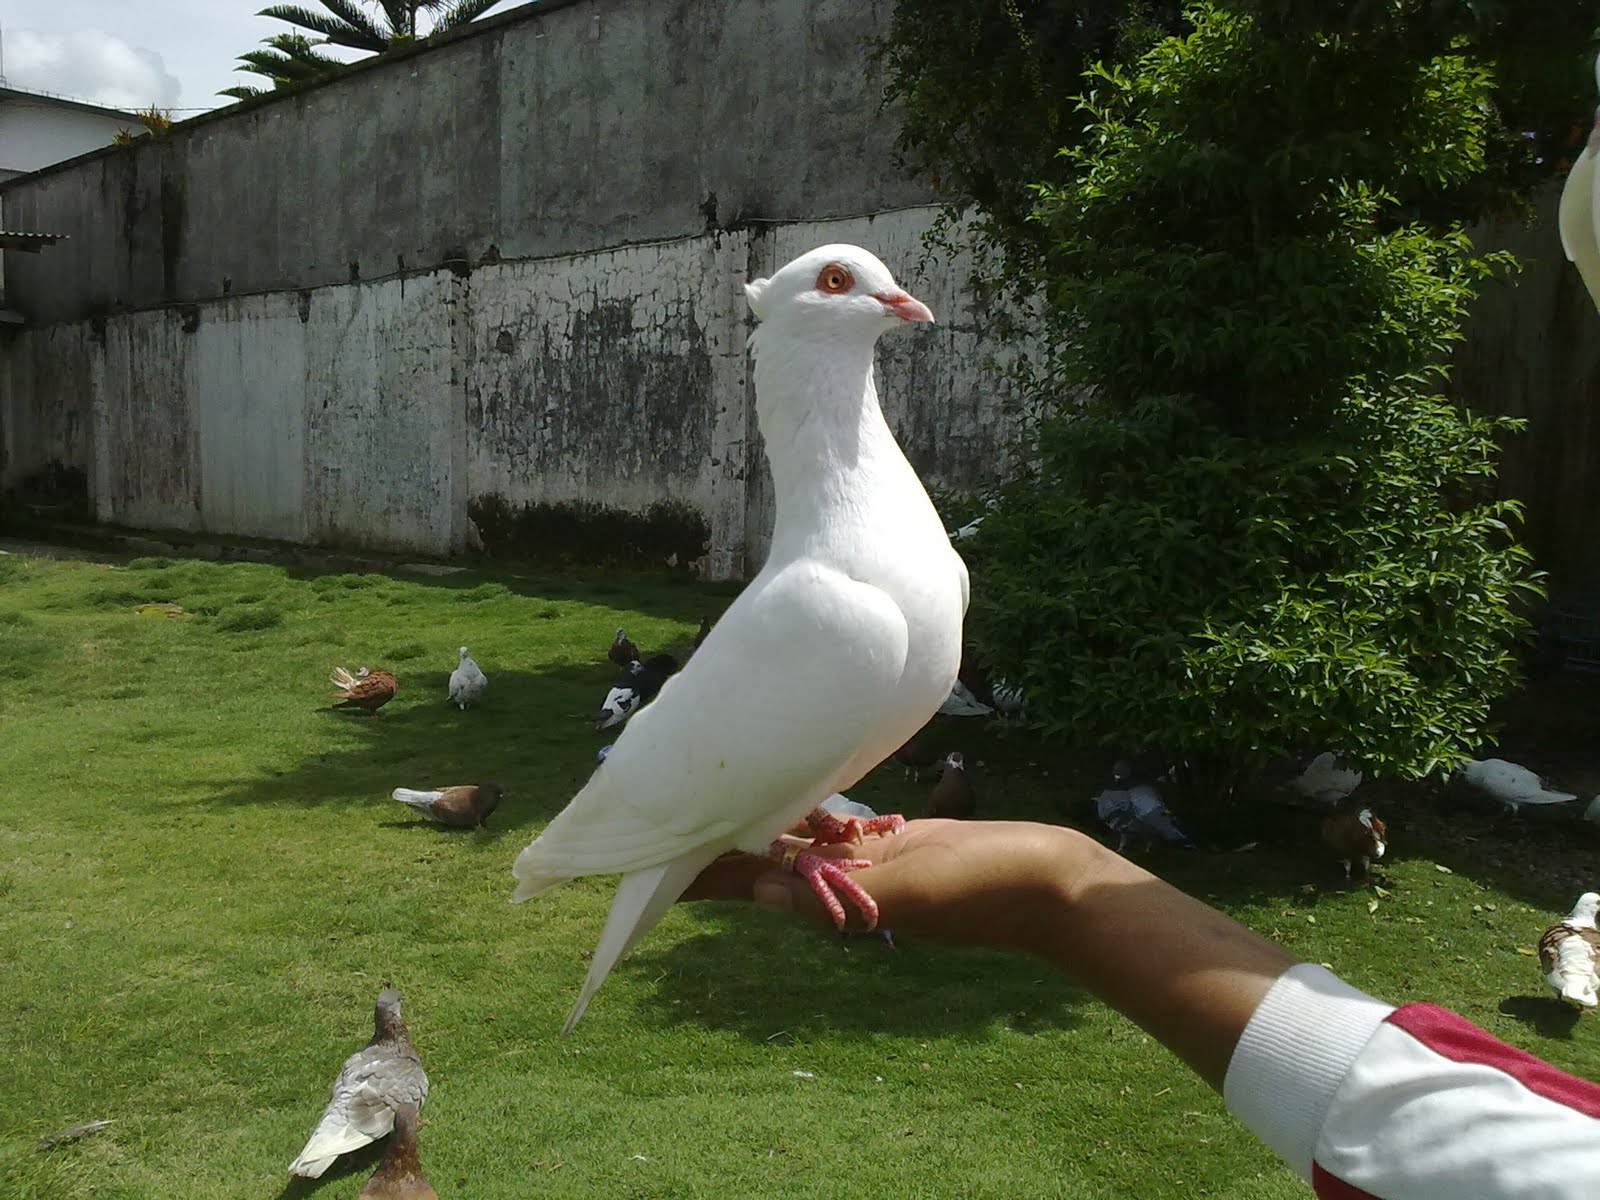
(374, 414)
(555, 129)
(505, 266)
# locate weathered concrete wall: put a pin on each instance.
(375, 414)
(555, 129)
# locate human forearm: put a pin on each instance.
(1186, 973)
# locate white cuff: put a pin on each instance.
(1293, 1055)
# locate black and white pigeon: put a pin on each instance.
(373, 1082)
(1134, 811)
(467, 681)
(635, 689)
(857, 611)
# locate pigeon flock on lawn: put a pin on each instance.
(856, 622)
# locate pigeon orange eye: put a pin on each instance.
(834, 279)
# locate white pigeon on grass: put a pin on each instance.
(374, 1081)
(857, 611)
(1569, 952)
(1578, 217)
(467, 681)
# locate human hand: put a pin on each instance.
(969, 882)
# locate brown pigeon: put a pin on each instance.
(1569, 954)
(366, 690)
(952, 796)
(916, 756)
(399, 1176)
(372, 1084)
(462, 807)
(622, 652)
(1353, 834)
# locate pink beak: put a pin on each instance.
(903, 305)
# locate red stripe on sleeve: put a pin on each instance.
(1330, 1187)
(1460, 1040)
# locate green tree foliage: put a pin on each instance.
(287, 59)
(1257, 528)
(374, 25)
(989, 90)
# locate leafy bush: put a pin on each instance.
(1257, 528)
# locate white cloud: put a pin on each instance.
(89, 65)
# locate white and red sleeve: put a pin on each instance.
(1370, 1102)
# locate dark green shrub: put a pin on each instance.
(1252, 526)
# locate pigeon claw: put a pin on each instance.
(828, 829)
(826, 877)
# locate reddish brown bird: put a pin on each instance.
(461, 807)
(623, 652)
(916, 756)
(1353, 834)
(953, 796)
(399, 1176)
(366, 690)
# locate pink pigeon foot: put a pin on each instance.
(829, 829)
(827, 876)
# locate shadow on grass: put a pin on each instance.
(766, 978)
(346, 1169)
(1545, 1015)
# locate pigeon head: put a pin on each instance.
(954, 762)
(1585, 910)
(463, 654)
(386, 1022)
(837, 290)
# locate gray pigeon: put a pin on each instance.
(467, 681)
(1134, 811)
(373, 1082)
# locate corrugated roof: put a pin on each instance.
(31, 242)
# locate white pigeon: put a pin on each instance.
(1509, 784)
(1325, 781)
(467, 681)
(1568, 952)
(1578, 217)
(962, 703)
(373, 1082)
(857, 611)
(1592, 813)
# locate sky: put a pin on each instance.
(130, 54)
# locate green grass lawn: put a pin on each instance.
(203, 885)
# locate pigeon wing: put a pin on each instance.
(361, 1105)
(728, 756)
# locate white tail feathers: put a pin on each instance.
(1574, 975)
(415, 798)
(642, 899)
